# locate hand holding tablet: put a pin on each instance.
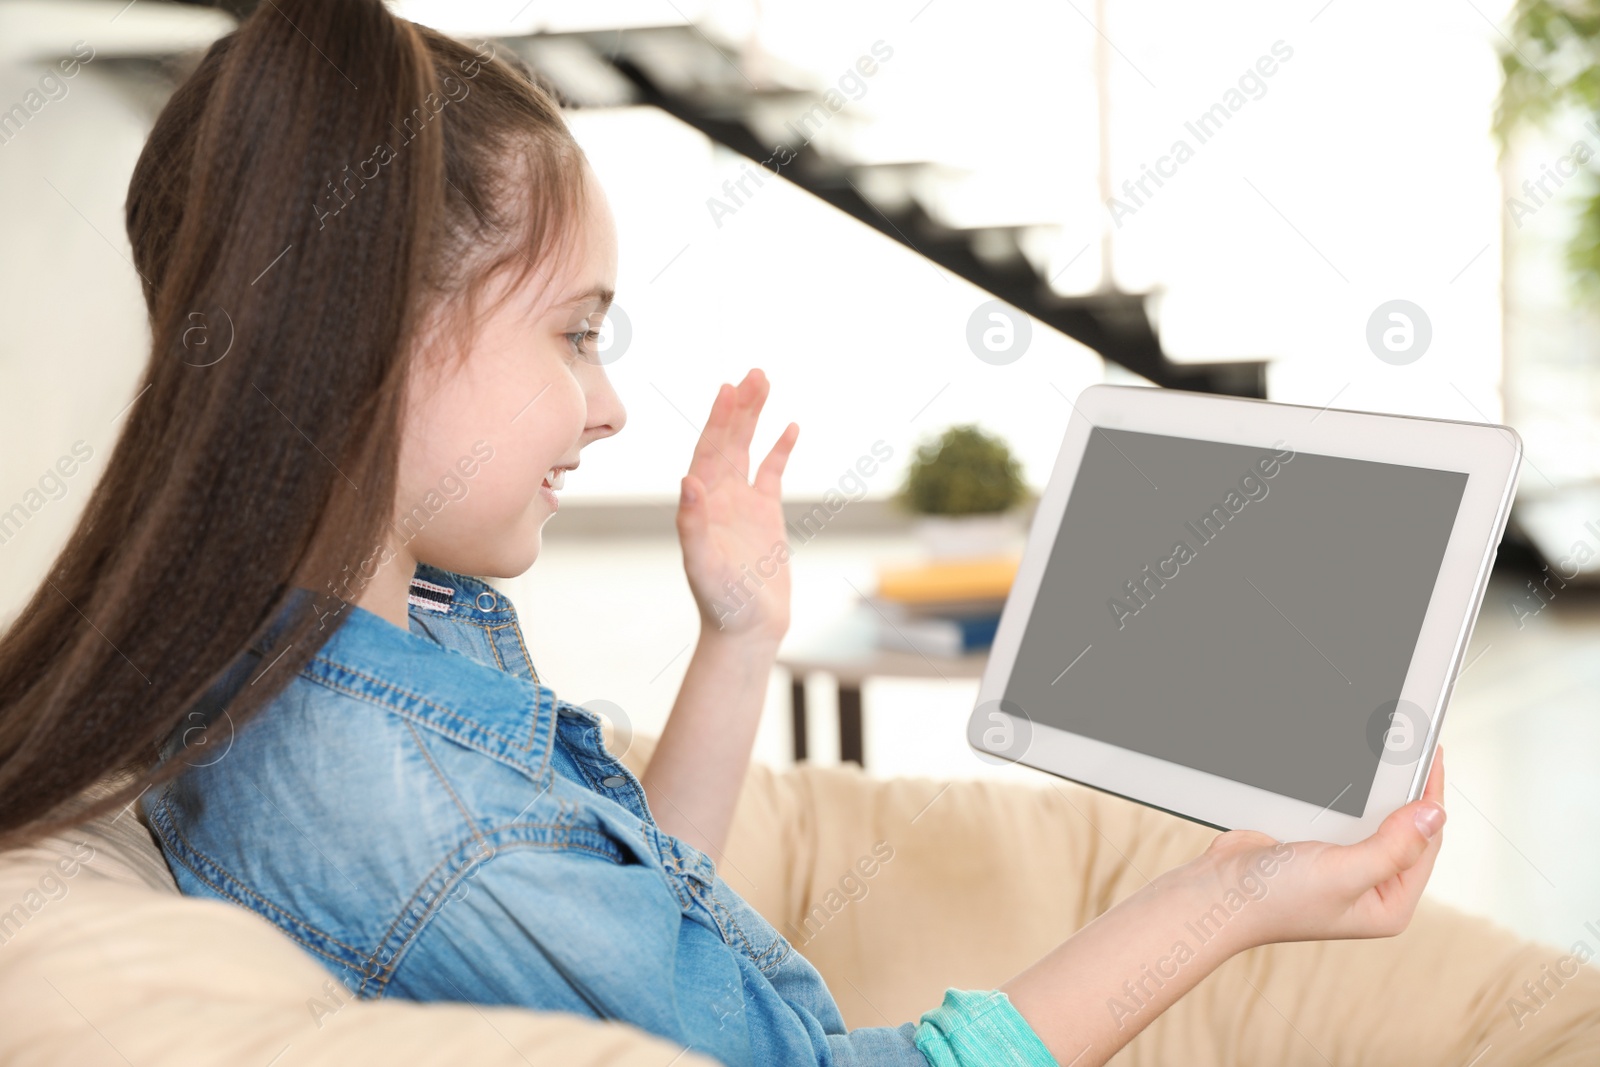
(1243, 891)
(1321, 891)
(1247, 613)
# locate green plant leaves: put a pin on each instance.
(965, 471)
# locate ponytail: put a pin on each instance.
(286, 268)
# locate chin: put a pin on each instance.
(522, 547)
(519, 562)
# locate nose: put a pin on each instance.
(607, 416)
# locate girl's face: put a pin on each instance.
(487, 446)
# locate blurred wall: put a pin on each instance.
(74, 337)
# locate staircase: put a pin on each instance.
(677, 69)
(741, 102)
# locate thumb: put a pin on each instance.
(694, 528)
(1397, 844)
(691, 504)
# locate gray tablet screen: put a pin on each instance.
(1249, 612)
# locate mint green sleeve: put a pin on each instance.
(979, 1029)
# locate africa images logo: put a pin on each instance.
(1252, 486)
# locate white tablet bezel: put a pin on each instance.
(1489, 454)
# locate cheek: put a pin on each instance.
(546, 433)
(526, 439)
(428, 453)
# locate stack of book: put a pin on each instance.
(944, 608)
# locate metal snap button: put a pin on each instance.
(611, 781)
(490, 606)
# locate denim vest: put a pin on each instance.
(430, 822)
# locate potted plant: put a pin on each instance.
(964, 487)
(1559, 40)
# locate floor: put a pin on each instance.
(611, 620)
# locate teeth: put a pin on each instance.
(556, 478)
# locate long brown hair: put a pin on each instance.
(327, 176)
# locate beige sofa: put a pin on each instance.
(102, 961)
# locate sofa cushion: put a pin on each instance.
(103, 961)
(122, 842)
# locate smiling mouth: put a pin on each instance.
(556, 477)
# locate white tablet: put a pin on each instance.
(1246, 613)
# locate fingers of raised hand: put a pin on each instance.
(710, 455)
(769, 479)
(724, 446)
(752, 397)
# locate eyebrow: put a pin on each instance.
(598, 292)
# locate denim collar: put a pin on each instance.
(438, 593)
(478, 704)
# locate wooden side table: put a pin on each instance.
(848, 651)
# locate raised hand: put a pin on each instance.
(735, 549)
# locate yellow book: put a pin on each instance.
(987, 578)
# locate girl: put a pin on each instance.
(268, 610)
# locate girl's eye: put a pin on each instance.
(582, 342)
